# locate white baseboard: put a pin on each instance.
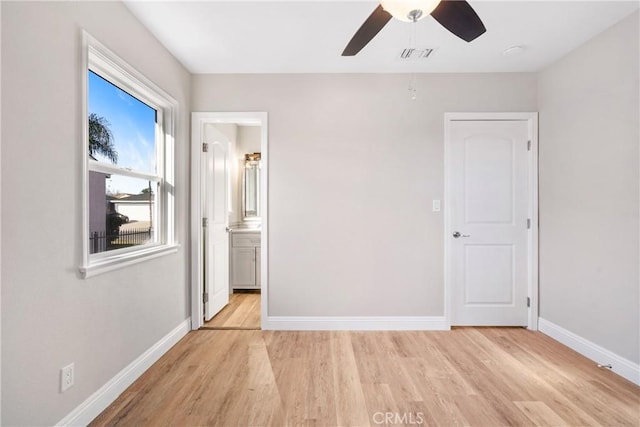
(330, 323)
(108, 393)
(621, 366)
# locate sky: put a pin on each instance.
(133, 126)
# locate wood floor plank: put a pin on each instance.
(248, 305)
(467, 377)
(479, 410)
(487, 382)
(242, 312)
(321, 408)
(349, 397)
(540, 414)
(564, 383)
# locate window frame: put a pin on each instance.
(103, 62)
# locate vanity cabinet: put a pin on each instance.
(245, 260)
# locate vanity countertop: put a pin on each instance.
(246, 229)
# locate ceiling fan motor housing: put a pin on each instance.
(409, 10)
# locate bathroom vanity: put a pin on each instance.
(245, 259)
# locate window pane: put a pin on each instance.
(121, 127)
(122, 212)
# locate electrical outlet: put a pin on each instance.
(436, 206)
(66, 377)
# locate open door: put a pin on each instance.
(215, 221)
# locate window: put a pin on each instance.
(128, 152)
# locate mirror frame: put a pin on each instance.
(252, 161)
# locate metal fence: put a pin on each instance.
(101, 241)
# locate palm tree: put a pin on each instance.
(101, 138)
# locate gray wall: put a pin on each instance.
(51, 317)
(588, 103)
(248, 139)
(353, 166)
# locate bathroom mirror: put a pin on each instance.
(251, 187)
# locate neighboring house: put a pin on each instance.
(97, 210)
(136, 207)
(97, 203)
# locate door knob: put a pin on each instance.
(457, 234)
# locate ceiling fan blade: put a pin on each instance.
(459, 17)
(372, 26)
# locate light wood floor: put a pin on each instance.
(242, 312)
(481, 377)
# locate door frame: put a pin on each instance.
(532, 237)
(198, 121)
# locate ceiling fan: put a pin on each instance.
(456, 16)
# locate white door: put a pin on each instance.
(215, 249)
(489, 191)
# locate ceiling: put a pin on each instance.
(309, 36)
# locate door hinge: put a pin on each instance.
(205, 297)
(528, 302)
(205, 222)
(529, 145)
(528, 223)
(205, 147)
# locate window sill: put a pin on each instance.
(125, 260)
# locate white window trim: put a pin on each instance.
(98, 57)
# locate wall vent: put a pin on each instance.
(416, 53)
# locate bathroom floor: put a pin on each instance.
(242, 312)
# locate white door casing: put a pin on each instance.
(215, 209)
(490, 201)
(258, 267)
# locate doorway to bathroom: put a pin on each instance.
(229, 220)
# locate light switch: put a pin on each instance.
(436, 205)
